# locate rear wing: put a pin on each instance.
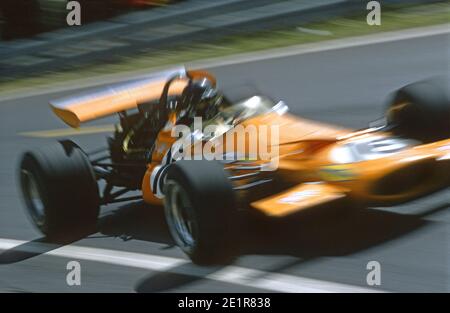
(108, 100)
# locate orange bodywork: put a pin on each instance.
(314, 159)
(305, 162)
(403, 176)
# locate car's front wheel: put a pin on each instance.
(59, 189)
(200, 210)
(421, 110)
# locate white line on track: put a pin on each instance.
(343, 43)
(230, 274)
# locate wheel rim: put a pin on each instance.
(33, 197)
(179, 213)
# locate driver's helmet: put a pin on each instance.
(200, 98)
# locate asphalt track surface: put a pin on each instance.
(347, 87)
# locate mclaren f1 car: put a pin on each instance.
(404, 157)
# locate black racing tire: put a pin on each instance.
(199, 194)
(59, 189)
(421, 110)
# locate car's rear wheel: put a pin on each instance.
(59, 189)
(200, 210)
(421, 110)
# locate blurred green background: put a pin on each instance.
(24, 18)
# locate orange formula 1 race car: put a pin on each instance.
(205, 179)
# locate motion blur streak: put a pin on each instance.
(344, 43)
(346, 87)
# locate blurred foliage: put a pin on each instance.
(19, 18)
(25, 18)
